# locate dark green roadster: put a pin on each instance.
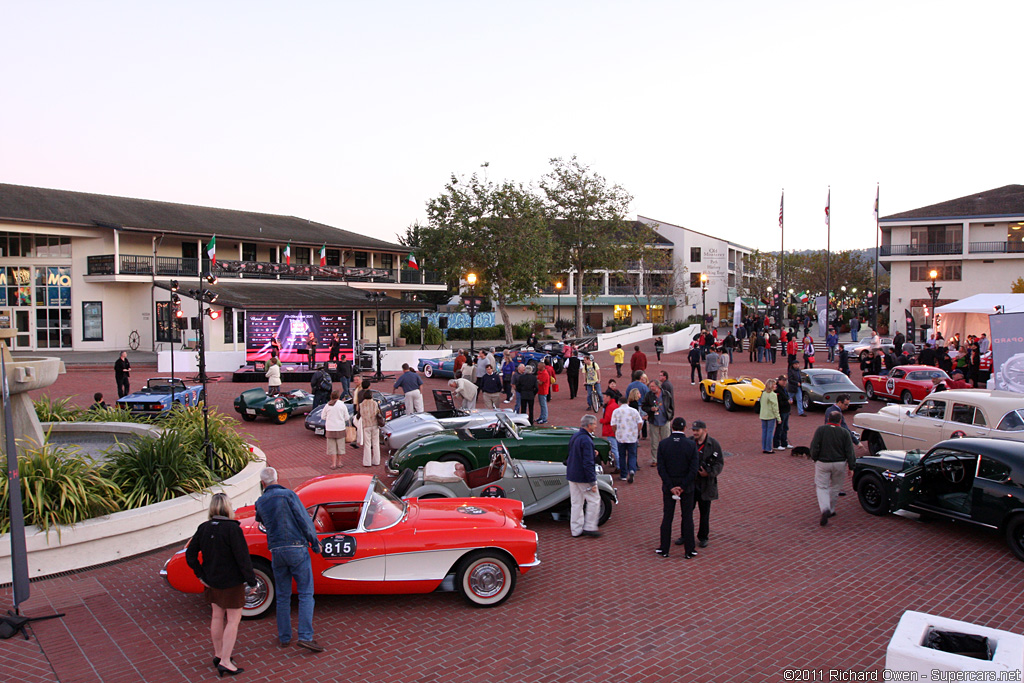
(974, 480)
(472, 447)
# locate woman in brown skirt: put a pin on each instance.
(225, 569)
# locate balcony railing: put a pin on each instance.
(940, 249)
(623, 289)
(130, 264)
(997, 247)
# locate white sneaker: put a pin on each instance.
(790, 446)
(781, 448)
(692, 383)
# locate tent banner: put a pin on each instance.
(819, 306)
(1008, 351)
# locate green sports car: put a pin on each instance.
(472, 447)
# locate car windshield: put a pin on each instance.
(383, 508)
(510, 428)
(913, 458)
(1013, 421)
(830, 378)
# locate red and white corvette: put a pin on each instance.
(907, 383)
(374, 542)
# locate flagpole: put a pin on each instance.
(828, 253)
(874, 319)
(782, 260)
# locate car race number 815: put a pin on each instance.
(338, 546)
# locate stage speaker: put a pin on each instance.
(442, 322)
(424, 322)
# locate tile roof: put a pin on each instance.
(1002, 201)
(18, 202)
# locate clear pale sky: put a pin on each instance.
(353, 114)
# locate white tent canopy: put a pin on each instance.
(970, 315)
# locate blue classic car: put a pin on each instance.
(159, 394)
(391, 406)
(437, 367)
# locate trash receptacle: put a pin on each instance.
(924, 643)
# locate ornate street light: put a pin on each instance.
(703, 297)
(558, 315)
(933, 291)
(472, 303)
(376, 298)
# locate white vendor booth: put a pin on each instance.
(970, 315)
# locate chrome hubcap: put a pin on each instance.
(254, 597)
(486, 580)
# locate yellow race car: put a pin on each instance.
(744, 391)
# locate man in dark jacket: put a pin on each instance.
(694, 357)
(526, 388)
(581, 471)
(572, 374)
(321, 385)
(832, 452)
(711, 460)
(290, 537)
(122, 372)
(345, 374)
(844, 360)
(678, 463)
(898, 341)
(793, 386)
(638, 361)
(659, 407)
(781, 438)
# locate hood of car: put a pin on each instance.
(445, 513)
(894, 461)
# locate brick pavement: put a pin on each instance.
(772, 591)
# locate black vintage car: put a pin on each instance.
(975, 480)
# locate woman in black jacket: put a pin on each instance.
(526, 387)
(224, 569)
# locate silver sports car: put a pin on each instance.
(402, 430)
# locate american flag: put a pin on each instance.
(828, 204)
(781, 202)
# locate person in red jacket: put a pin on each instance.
(607, 430)
(543, 390)
(638, 361)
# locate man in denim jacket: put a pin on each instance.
(289, 532)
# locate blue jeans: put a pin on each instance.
(853, 335)
(782, 432)
(627, 458)
(613, 452)
(591, 390)
(344, 385)
(730, 354)
(767, 432)
(293, 562)
(760, 354)
(831, 354)
(799, 399)
(543, 399)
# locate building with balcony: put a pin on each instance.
(92, 272)
(665, 291)
(974, 243)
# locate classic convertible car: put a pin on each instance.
(253, 403)
(374, 542)
(821, 387)
(859, 350)
(402, 430)
(908, 383)
(539, 485)
(160, 394)
(943, 415)
(391, 406)
(472, 447)
(437, 367)
(969, 480)
(744, 391)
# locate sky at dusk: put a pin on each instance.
(354, 114)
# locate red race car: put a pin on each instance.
(375, 542)
(907, 383)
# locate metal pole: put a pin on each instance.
(828, 254)
(782, 260)
(874, 316)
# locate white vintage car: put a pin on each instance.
(943, 415)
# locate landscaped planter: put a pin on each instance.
(127, 533)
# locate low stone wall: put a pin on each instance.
(392, 359)
(681, 340)
(630, 335)
(128, 533)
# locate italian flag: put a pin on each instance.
(288, 254)
(804, 298)
(211, 251)
(412, 261)
(323, 255)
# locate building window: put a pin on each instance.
(656, 314)
(623, 313)
(15, 286)
(92, 321)
(359, 259)
(934, 235)
(334, 257)
(19, 244)
(166, 323)
(387, 261)
(248, 251)
(695, 280)
(300, 256)
(384, 324)
(229, 325)
(546, 314)
(948, 270)
(694, 254)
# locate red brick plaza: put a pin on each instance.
(773, 590)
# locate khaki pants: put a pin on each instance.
(371, 445)
(656, 434)
(492, 401)
(828, 479)
(414, 402)
(580, 520)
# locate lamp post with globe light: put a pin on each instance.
(703, 297)
(933, 291)
(558, 315)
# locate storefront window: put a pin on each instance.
(656, 314)
(92, 321)
(624, 313)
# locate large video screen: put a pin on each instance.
(292, 328)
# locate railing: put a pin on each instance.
(166, 265)
(996, 247)
(421, 277)
(940, 249)
(623, 289)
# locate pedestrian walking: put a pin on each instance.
(336, 419)
(710, 461)
(638, 361)
(627, 420)
(844, 359)
(581, 471)
(678, 464)
(526, 389)
(592, 379)
(572, 374)
(122, 374)
(370, 417)
(659, 347)
(409, 382)
(769, 415)
(321, 386)
(618, 357)
(832, 453)
(273, 375)
(694, 357)
(660, 409)
(290, 537)
(219, 557)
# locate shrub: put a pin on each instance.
(48, 410)
(59, 485)
(112, 414)
(229, 445)
(521, 330)
(154, 469)
(479, 333)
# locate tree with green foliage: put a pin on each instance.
(1018, 286)
(589, 219)
(499, 231)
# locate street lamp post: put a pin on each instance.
(471, 279)
(703, 299)
(558, 315)
(770, 305)
(205, 296)
(376, 298)
(933, 291)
